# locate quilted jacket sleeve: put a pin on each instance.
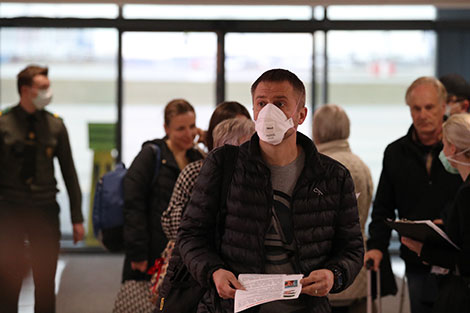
(196, 233)
(348, 244)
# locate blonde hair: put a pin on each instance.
(456, 131)
(232, 130)
(330, 122)
(427, 80)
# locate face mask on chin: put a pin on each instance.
(43, 98)
(449, 108)
(272, 124)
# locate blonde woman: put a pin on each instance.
(454, 288)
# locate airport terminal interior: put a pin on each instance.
(114, 65)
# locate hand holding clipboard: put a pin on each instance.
(423, 231)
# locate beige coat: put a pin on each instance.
(340, 151)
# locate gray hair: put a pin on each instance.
(456, 130)
(232, 130)
(330, 122)
(428, 80)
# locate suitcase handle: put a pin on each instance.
(369, 266)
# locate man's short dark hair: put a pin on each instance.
(25, 77)
(456, 85)
(281, 75)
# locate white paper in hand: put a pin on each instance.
(262, 288)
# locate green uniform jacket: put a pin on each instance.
(51, 140)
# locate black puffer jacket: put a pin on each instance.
(143, 204)
(325, 218)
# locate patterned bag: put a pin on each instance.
(134, 297)
(158, 271)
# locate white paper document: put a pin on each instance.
(262, 288)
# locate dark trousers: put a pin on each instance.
(422, 289)
(29, 237)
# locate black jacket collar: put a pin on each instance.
(313, 164)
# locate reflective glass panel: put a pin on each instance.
(369, 72)
(382, 12)
(58, 10)
(159, 67)
(240, 12)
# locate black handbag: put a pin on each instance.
(184, 292)
(180, 292)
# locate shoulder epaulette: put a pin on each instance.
(55, 115)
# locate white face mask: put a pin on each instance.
(43, 98)
(449, 108)
(272, 124)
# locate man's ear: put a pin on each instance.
(23, 89)
(302, 114)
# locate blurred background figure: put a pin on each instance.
(233, 131)
(331, 128)
(454, 288)
(458, 94)
(145, 199)
(30, 139)
(185, 183)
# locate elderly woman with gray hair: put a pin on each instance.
(454, 288)
(331, 129)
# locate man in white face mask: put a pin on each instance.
(290, 209)
(30, 138)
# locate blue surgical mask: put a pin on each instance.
(445, 162)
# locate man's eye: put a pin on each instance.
(261, 103)
(279, 104)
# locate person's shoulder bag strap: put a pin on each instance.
(158, 161)
(230, 161)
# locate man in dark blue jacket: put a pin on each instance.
(415, 185)
(289, 210)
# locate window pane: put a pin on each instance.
(382, 12)
(249, 55)
(58, 10)
(159, 67)
(242, 12)
(369, 72)
(82, 70)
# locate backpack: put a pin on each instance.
(108, 205)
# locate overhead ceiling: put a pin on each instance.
(438, 3)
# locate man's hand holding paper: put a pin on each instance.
(318, 283)
(226, 283)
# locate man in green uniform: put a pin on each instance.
(30, 138)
